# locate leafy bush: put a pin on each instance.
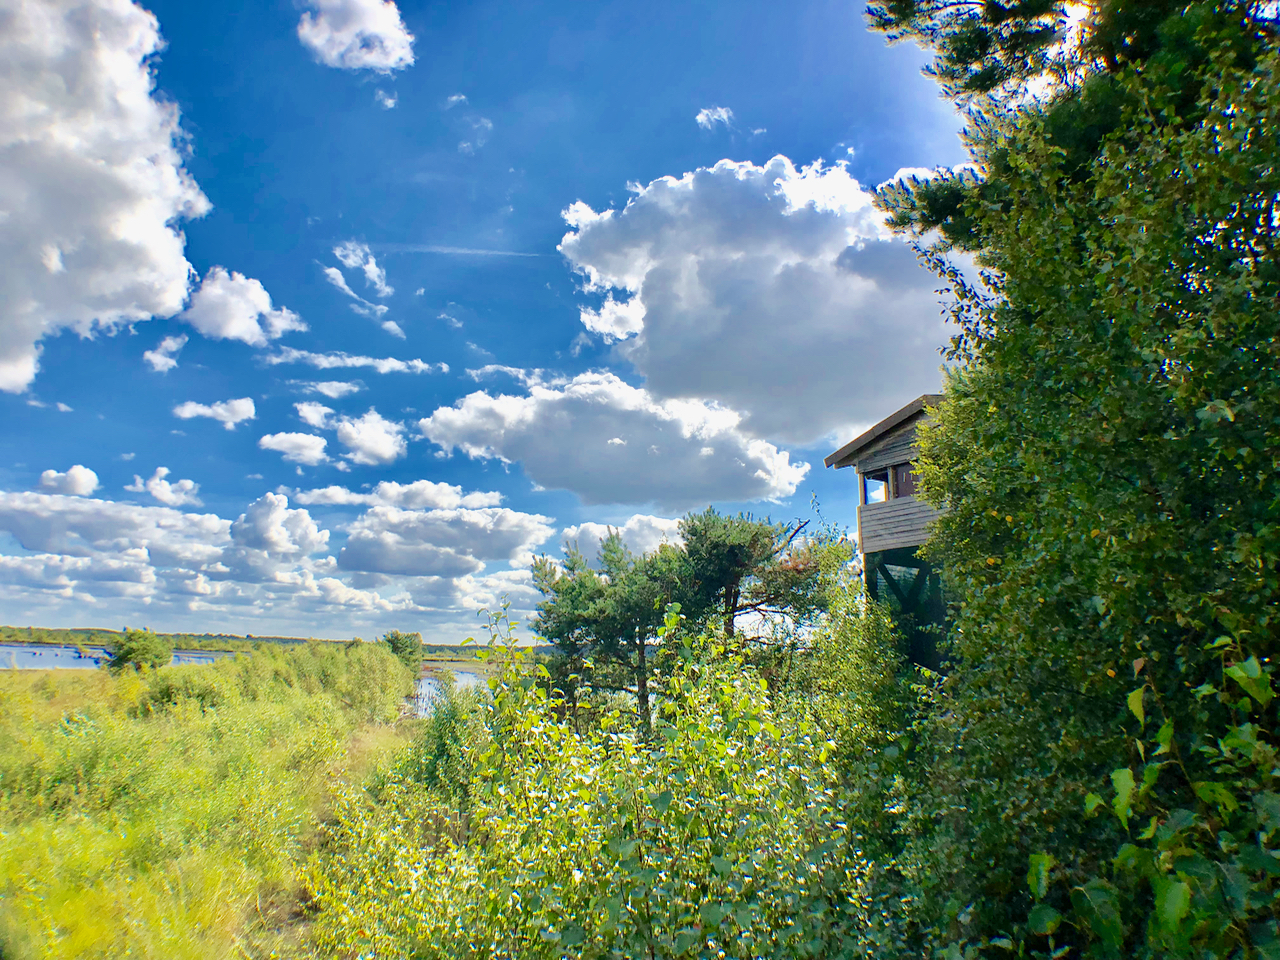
(138, 649)
(720, 836)
(406, 646)
(208, 687)
(1098, 778)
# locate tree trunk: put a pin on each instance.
(732, 593)
(642, 684)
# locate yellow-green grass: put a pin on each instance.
(165, 814)
(435, 665)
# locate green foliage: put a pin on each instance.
(441, 757)
(604, 620)
(722, 836)
(860, 686)
(164, 814)
(1098, 778)
(406, 646)
(722, 552)
(610, 617)
(138, 649)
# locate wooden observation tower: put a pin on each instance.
(892, 524)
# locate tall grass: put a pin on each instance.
(164, 814)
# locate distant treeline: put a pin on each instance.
(97, 636)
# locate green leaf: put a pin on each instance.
(1215, 411)
(661, 802)
(1039, 865)
(1043, 920)
(1173, 902)
(713, 914)
(1091, 804)
(1164, 737)
(1097, 905)
(1253, 680)
(1122, 780)
(685, 939)
(1268, 806)
(1135, 704)
(1216, 794)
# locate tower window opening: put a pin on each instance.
(875, 487)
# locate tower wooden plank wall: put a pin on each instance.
(892, 524)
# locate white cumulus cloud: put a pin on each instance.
(86, 527)
(441, 542)
(165, 356)
(561, 433)
(226, 412)
(387, 101)
(372, 439)
(170, 493)
(356, 35)
(641, 533)
(304, 448)
(270, 569)
(776, 291)
(417, 495)
(614, 320)
(708, 117)
(314, 414)
(270, 527)
(78, 481)
(231, 306)
(92, 183)
(333, 389)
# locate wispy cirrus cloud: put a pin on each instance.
(458, 251)
(339, 361)
(708, 117)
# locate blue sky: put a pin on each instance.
(323, 318)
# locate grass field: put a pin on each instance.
(167, 814)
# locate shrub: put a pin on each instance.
(1099, 778)
(201, 683)
(138, 649)
(719, 837)
(406, 646)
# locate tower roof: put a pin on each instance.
(846, 455)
